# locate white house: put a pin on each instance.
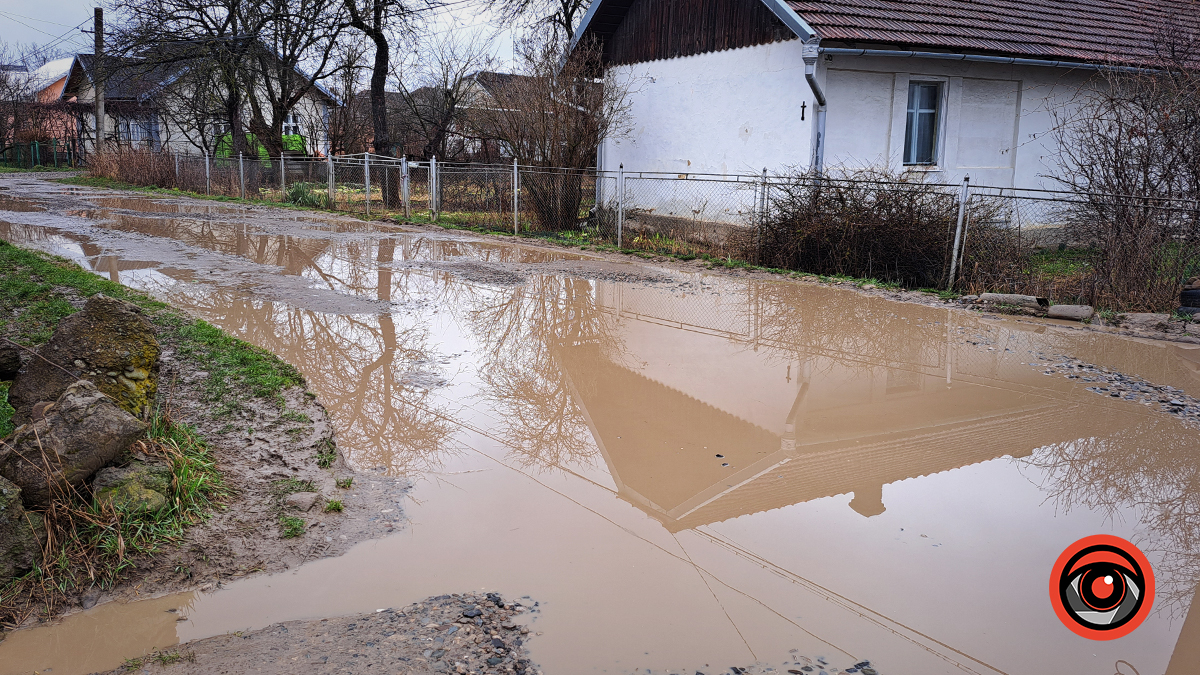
(139, 114)
(951, 87)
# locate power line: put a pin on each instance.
(55, 23)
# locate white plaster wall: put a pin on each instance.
(735, 111)
(995, 123)
(738, 111)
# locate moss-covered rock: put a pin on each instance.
(20, 543)
(140, 487)
(109, 343)
(83, 431)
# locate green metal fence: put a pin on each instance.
(52, 153)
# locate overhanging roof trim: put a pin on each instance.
(779, 8)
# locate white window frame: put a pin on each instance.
(939, 114)
(291, 124)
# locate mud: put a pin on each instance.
(468, 633)
(688, 468)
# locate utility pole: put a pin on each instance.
(98, 75)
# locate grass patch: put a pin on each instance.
(36, 169)
(6, 412)
(326, 454)
(333, 506)
(295, 416)
(345, 483)
(291, 526)
(288, 486)
(160, 658)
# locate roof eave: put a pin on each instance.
(779, 8)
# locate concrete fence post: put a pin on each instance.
(620, 201)
(516, 188)
(404, 187)
(282, 178)
(242, 174)
(176, 169)
(332, 190)
(367, 179)
(962, 211)
(207, 175)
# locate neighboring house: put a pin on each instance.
(137, 114)
(950, 87)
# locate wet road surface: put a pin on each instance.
(683, 468)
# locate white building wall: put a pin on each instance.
(995, 120)
(738, 111)
(735, 111)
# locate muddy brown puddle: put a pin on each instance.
(683, 469)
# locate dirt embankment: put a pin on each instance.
(287, 495)
(469, 633)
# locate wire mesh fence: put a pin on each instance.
(894, 228)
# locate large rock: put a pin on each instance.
(1071, 312)
(109, 343)
(81, 432)
(1030, 301)
(140, 487)
(20, 530)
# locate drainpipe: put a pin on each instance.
(811, 51)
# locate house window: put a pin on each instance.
(921, 132)
(291, 124)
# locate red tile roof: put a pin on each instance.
(1092, 30)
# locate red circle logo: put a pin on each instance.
(1102, 587)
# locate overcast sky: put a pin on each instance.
(53, 22)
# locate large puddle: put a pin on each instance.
(684, 469)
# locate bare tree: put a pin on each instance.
(435, 107)
(349, 125)
(380, 21)
(562, 17)
(297, 48)
(555, 114)
(1137, 135)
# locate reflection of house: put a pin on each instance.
(793, 426)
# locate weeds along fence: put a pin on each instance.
(1117, 251)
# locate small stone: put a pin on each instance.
(472, 613)
(303, 501)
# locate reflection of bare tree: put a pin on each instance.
(375, 378)
(1150, 468)
(520, 330)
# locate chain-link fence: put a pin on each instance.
(893, 228)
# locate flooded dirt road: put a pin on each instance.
(686, 470)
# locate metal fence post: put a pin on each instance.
(962, 211)
(242, 174)
(620, 201)
(762, 219)
(367, 179)
(332, 193)
(207, 175)
(404, 193)
(433, 205)
(176, 169)
(516, 187)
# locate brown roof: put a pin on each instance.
(1092, 30)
